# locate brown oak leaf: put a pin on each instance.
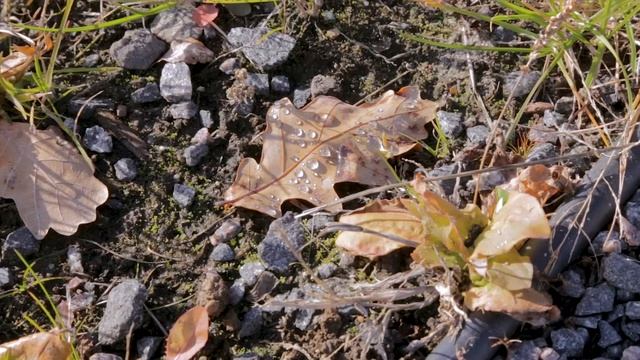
(306, 151)
(52, 185)
(40, 346)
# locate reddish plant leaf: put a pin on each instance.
(188, 335)
(52, 184)
(306, 151)
(205, 14)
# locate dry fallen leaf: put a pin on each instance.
(188, 335)
(382, 216)
(541, 182)
(205, 14)
(190, 51)
(306, 151)
(528, 305)
(13, 66)
(52, 185)
(40, 346)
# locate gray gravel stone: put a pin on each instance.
(564, 105)
(596, 300)
(568, 342)
(503, 35)
(489, 180)
(303, 318)
(450, 123)
(201, 136)
(183, 110)
(176, 24)
(222, 253)
(249, 272)
(98, 140)
(250, 355)
(553, 119)
(148, 93)
(194, 154)
(259, 82)
(91, 60)
(126, 169)
(227, 231)
(236, 291)
(230, 66)
(447, 169)
(301, 97)
(624, 295)
(147, 347)
(183, 195)
(240, 9)
(275, 250)
(175, 82)
(608, 334)
(477, 134)
(251, 323)
(346, 260)
(22, 241)
(631, 329)
(322, 84)
(622, 272)
(542, 151)
(124, 310)
(280, 84)
(206, 119)
(6, 278)
(616, 313)
(519, 83)
(631, 353)
(632, 310)
(137, 50)
(325, 271)
(266, 53)
(572, 283)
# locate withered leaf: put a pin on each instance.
(382, 216)
(204, 14)
(528, 305)
(510, 271)
(40, 346)
(540, 182)
(188, 335)
(306, 151)
(52, 185)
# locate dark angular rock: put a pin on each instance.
(147, 347)
(450, 123)
(137, 50)
(631, 353)
(589, 322)
(608, 334)
(230, 66)
(541, 152)
(85, 108)
(285, 236)
(325, 271)
(280, 84)
(617, 313)
(564, 105)
(622, 272)
(236, 291)
(322, 84)
(249, 272)
(596, 300)
(553, 119)
(251, 324)
(303, 318)
(568, 342)
(572, 284)
(477, 134)
(194, 154)
(260, 82)
(631, 329)
(222, 253)
(183, 110)
(124, 310)
(183, 195)
(148, 93)
(264, 51)
(301, 97)
(632, 310)
(632, 210)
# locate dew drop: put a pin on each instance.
(324, 116)
(300, 173)
(295, 158)
(312, 134)
(302, 144)
(361, 132)
(299, 132)
(313, 164)
(380, 110)
(273, 197)
(273, 212)
(287, 111)
(316, 174)
(411, 105)
(304, 188)
(258, 167)
(299, 122)
(307, 181)
(314, 199)
(325, 151)
(331, 162)
(274, 116)
(294, 181)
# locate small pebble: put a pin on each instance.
(275, 249)
(541, 152)
(201, 136)
(126, 169)
(261, 46)
(477, 134)
(608, 334)
(265, 283)
(572, 284)
(137, 50)
(206, 119)
(249, 272)
(260, 82)
(6, 279)
(280, 84)
(321, 85)
(631, 353)
(301, 97)
(175, 82)
(98, 140)
(622, 272)
(553, 119)
(520, 83)
(227, 231)
(222, 253)
(549, 354)
(91, 60)
(229, 66)
(346, 260)
(147, 94)
(303, 318)
(564, 105)
(147, 347)
(236, 291)
(194, 154)
(450, 123)
(568, 342)
(74, 259)
(596, 300)
(632, 310)
(176, 24)
(183, 110)
(325, 271)
(22, 241)
(183, 195)
(124, 311)
(251, 323)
